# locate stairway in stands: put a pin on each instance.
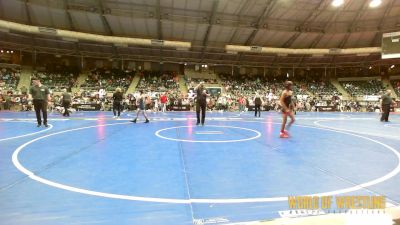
(388, 85)
(134, 83)
(79, 81)
(220, 83)
(340, 88)
(182, 84)
(25, 78)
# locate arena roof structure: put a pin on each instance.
(209, 26)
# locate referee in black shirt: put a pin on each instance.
(40, 95)
(117, 100)
(201, 102)
(386, 103)
(66, 102)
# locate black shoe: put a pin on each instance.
(46, 125)
(39, 125)
(133, 121)
(202, 124)
(147, 121)
(197, 124)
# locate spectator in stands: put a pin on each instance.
(7, 100)
(1, 101)
(24, 90)
(25, 103)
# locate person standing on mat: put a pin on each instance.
(141, 104)
(386, 101)
(257, 105)
(201, 103)
(40, 95)
(66, 101)
(287, 108)
(117, 100)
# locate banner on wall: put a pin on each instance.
(371, 97)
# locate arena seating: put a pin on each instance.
(370, 87)
(193, 82)
(9, 78)
(108, 79)
(10, 97)
(396, 86)
(158, 82)
(56, 82)
(246, 86)
(321, 88)
(58, 78)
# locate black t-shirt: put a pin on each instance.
(386, 99)
(66, 97)
(201, 97)
(39, 93)
(257, 101)
(117, 96)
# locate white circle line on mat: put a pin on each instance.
(258, 134)
(33, 176)
(318, 123)
(25, 135)
(395, 125)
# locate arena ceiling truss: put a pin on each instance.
(208, 25)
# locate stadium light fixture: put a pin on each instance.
(12, 51)
(375, 3)
(205, 66)
(8, 52)
(2, 51)
(337, 3)
(392, 66)
(370, 67)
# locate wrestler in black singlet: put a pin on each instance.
(288, 101)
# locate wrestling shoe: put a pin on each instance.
(283, 135)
